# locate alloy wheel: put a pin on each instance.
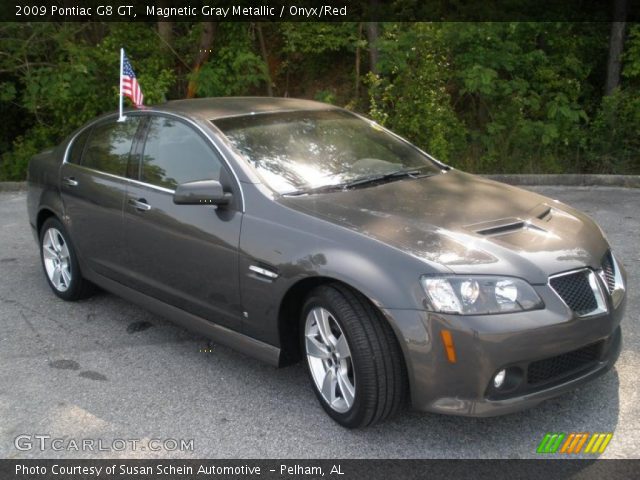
(57, 263)
(330, 359)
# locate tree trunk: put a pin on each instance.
(165, 29)
(265, 58)
(357, 92)
(616, 45)
(204, 51)
(372, 37)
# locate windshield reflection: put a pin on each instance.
(310, 150)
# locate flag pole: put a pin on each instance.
(121, 118)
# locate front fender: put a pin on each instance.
(311, 248)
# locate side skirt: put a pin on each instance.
(225, 336)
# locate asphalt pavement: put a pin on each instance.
(106, 371)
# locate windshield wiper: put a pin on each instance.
(359, 182)
(384, 177)
(322, 189)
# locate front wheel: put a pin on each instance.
(353, 358)
(60, 262)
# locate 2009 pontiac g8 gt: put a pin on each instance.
(290, 229)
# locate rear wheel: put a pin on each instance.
(353, 358)
(60, 262)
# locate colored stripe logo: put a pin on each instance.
(575, 442)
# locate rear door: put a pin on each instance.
(185, 255)
(93, 189)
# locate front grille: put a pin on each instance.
(609, 272)
(552, 368)
(576, 292)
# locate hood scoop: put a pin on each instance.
(504, 226)
(545, 214)
(501, 229)
(514, 225)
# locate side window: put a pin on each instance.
(109, 146)
(174, 153)
(77, 146)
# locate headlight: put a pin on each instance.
(477, 295)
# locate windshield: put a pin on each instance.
(297, 151)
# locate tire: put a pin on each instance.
(60, 262)
(364, 383)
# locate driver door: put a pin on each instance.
(184, 255)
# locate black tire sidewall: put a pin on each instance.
(352, 417)
(72, 292)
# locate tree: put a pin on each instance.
(204, 51)
(372, 36)
(616, 45)
(517, 97)
(265, 58)
(165, 28)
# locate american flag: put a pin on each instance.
(130, 86)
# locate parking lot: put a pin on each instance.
(106, 369)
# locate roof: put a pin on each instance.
(215, 108)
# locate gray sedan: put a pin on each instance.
(294, 230)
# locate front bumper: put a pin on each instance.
(486, 344)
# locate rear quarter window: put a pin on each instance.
(109, 146)
(77, 147)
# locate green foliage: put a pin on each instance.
(614, 142)
(631, 57)
(409, 94)
(484, 97)
(60, 80)
(316, 38)
(234, 68)
(320, 57)
(326, 96)
(14, 163)
(495, 97)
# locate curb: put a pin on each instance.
(13, 186)
(574, 180)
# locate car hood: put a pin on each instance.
(466, 224)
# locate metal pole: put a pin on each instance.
(122, 117)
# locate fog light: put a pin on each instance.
(498, 380)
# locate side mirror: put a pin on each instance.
(201, 192)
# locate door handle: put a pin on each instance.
(70, 181)
(140, 204)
